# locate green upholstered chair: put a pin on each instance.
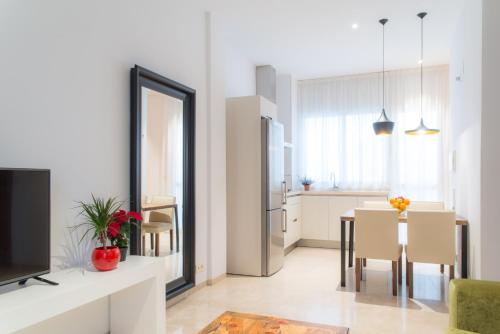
(474, 307)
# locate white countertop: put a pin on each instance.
(320, 192)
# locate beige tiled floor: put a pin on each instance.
(307, 289)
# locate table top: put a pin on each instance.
(349, 216)
(232, 322)
(156, 206)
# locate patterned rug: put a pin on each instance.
(241, 323)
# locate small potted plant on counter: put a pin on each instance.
(306, 182)
(119, 230)
(102, 219)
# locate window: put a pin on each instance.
(335, 135)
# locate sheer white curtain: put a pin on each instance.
(335, 134)
(162, 146)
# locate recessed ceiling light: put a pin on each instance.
(420, 61)
(355, 26)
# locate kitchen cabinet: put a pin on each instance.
(337, 205)
(315, 210)
(363, 199)
(321, 214)
(286, 101)
(294, 218)
(244, 186)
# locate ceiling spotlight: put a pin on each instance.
(420, 61)
(355, 26)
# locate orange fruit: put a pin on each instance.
(407, 201)
(402, 207)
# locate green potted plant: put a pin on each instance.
(306, 182)
(119, 230)
(102, 219)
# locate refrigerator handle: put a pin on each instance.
(284, 214)
(283, 191)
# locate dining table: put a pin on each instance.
(161, 206)
(349, 216)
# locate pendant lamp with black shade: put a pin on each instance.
(383, 126)
(422, 129)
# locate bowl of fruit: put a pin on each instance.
(400, 203)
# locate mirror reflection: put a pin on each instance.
(162, 178)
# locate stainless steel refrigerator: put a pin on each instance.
(273, 196)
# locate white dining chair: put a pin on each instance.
(376, 205)
(425, 206)
(431, 239)
(376, 236)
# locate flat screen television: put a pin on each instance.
(24, 224)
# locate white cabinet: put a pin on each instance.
(294, 218)
(321, 214)
(286, 101)
(133, 293)
(337, 206)
(363, 199)
(315, 210)
(244, 172)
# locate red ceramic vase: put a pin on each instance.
(106, 259)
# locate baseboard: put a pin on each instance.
(216, 280)
(291, 247)
(321, 243)
(181, 297)
(171, 302)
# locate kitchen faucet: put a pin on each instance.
(335, 186)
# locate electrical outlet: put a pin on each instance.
(200, 268)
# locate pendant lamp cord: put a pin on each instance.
(383, 67)
(422, 69)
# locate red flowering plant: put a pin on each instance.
(119, 228)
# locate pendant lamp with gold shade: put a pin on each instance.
(422, 129)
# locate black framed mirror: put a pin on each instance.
(162, 180)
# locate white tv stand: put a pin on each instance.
(135, 292)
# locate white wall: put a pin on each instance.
(475, 117)
(65, 94)
(239, 74)
(490, 140)
(64, 100)
(465, 103)
(216, 250)
(230, 74)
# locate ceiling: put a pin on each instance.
(314, 38)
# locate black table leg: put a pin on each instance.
(351, 243)
(342, 253)
(176, 228)
(465, 253)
